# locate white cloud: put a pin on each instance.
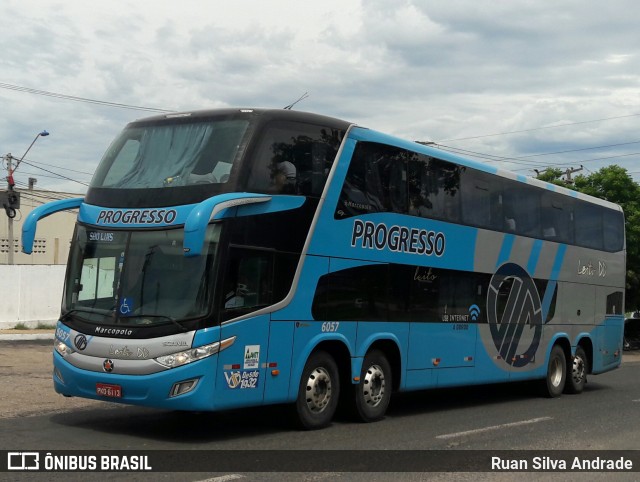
(422, 70)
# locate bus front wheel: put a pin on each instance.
(554, 383)
(373, 393)
(318, 392)
(577, 371)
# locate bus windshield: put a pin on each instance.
(138, 278)
(171, 155)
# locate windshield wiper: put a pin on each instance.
(168, 318)
(67, 315)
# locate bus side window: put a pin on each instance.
(613, 231)
(443, 190)
(306, 150)
(393, 176)
(522, 209)
(417, 186)
(588, 225)
(436, 294)
(313, 159)
(352, 294)
(247, 282)
(476, 201)
(556, 216)
(362, 190)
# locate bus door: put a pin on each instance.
(612, 333)
(247, 287)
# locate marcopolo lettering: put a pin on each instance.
(137, 216)
(398, 239)
(113, 331)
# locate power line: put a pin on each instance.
(36, 165)
(490, 157)
(589, 160)
(24, 187)
(60, 167)
(539, 128)
(57, 176)
(577, 150)
(518, 159)
(29, 90)
(33, 194)
(55, 173)
(556, 164)
(26, 195)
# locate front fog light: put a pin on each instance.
(183, 387)
(58, 375)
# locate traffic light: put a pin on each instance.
(10, 201)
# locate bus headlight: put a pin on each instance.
(184, 357)
(62, 348)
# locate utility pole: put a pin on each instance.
(570, 171)
(11, 198)
(11, 204)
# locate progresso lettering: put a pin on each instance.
(138, 216)
(398, 239)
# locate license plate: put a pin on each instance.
(109, 390)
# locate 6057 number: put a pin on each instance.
(330, 326)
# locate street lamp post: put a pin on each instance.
(11, 196)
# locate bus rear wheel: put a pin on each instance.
(373, 393)
(553, 384)
(318, 392)
(577, 369)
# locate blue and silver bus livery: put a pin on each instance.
(235, 258)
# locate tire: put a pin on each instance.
(373, 393)
(553, 384)
(318, 392)
(577, 370)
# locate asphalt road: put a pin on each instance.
(493, 418)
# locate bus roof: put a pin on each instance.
(364, 134)
(271, 114)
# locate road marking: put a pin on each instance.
(223, 478)
(494, 427)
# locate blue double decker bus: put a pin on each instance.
(242, 257)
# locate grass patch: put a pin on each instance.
(40, 326)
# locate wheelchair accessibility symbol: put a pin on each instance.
(125, 306)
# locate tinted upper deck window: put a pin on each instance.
(293, 158)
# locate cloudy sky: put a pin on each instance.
(548, 83)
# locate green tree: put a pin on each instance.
(553, 176)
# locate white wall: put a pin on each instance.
(30, 294)
(53, 235)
